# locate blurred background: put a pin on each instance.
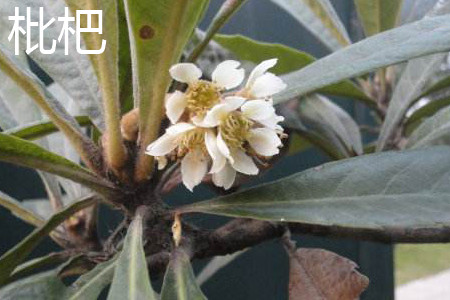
(262, 272)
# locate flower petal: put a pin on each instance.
(193, 168)
(272, 122)
(179, 128)
(234, 102)
(162, 146)
(244, 163)
(216, 115)
(258, 109)
(225, 178)
(175, 106)
(218, 160)
(227, 75)
(264, 141)
(259, 70)
(267, 85)
(223, 148)
(185, 72)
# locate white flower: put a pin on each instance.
(186, 142)
(226, 134)
(262, 84)
(241, 132)
(201, 95)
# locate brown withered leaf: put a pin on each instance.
(317, 274)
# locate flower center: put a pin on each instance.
(192, 140)
(201, 96)
(235, 129)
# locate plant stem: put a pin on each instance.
(226, 11)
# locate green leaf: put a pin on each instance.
(378, 15)
(179, 281)
(320, 18)
(37, 264)
(431, 35)
(424, 112)
(60, 117)
(401, 190)
(41, 129)
(409, 87)
(158, 31)
(42, 286)
(74, 71)
(30, 155)
(333, 121)
(297, 144)
(106, 65)
(125, 70)
(433, 131)
(91, 284)
(245, 48)
(440, 84)
(325, 143)
(12, 258)
(131, 280)
(289, 60)
(20, 211)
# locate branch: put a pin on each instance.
(239, 234)
(388, 235)
(235, 236)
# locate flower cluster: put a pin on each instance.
(212, 128)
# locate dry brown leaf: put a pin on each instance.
(317, 274)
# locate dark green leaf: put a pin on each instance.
(289, 60)
(293, 122)
(91, 284)
(179, 281)
(159, 30)
(437, 86)
(18, 253)
(125, 71)
(433, 131)
(40, 129)
(38, 263)
(27, 154)
(332, 121)
(424, 112)
(43, 286)
(402, 190)
(411, 84)
(409, 87)
(431, 35)
(131, 280)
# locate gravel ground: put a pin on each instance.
(436, 287)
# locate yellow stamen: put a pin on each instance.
(235, 129)
(190, 140)
(201, 96)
